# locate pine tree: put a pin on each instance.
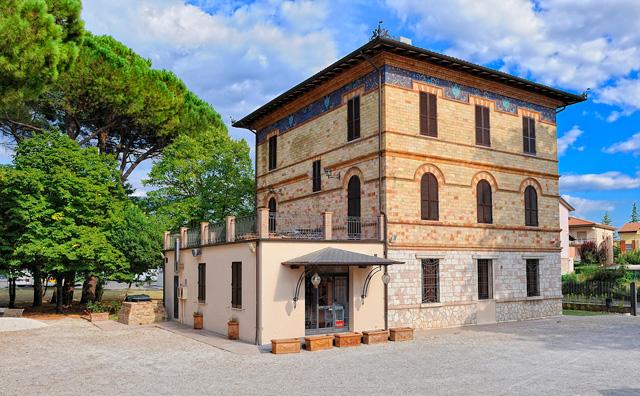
(606, 219)
(635, 217)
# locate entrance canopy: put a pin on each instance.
(331, 256)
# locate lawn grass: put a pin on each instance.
(24, 295)
(574, 312)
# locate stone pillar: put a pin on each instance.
(263, 223)
(327, 225)
(381, 228)
(183, 237)
(204, 233)
(609, 250)
(166, 240)
(231, 228)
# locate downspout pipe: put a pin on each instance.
(380, 209)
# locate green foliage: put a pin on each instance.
(40, 39)
(632, 257)
(585, 271)
(634, 214)
(588, 252)
(606, 219)
(202, 178)
(97, 307)
(619, 275)
(570, 277)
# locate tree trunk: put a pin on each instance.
(89, 289)
(12, 292)
(59, 280)
(99, 289)
(69, 283)
(37, 286)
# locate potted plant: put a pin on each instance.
(97, 311)
(233, 329)
(198, 321)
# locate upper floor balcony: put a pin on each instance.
(282, 226)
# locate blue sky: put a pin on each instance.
(237, 55)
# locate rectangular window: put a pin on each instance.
(202, 282)
(273, 152)
(485, 279)
(353, 118)
(430, 281)
(533, 278)
(236, 284)
(317, 176)
(529, 135)
(428, 114)
(483, 130)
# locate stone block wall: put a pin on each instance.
(140, 313)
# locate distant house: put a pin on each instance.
(629, 237)
(581, 231)
(568, 252)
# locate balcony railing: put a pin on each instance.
(245, 228)
(193, 238)
(292, 226)
(217, 232)
(578, 242)
(355, 228)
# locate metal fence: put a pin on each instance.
(217, 232)
(610, 294)
(245, 228)
(295, 226)
(193, 237)
(355, 228)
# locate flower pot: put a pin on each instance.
(198, 321)
(233, 330)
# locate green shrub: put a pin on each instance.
(97, 307)
(629, 258)
(570, 277)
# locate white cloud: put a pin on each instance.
(568, 139)
(631, 145)
(599, 181)
(625, 94)
(585, 206)
(572, 44)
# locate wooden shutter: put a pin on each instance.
(317, 180)
(350, 120)
(530, 206)
(273, 152)
(483, 126)
(428, 114)
(484, 202)
(429, 205)
(353, 118)
(202, 278)
(353, 197)
(236, 285)
(529, 135)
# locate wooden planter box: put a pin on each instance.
(319, 342)
(375, 336)
(98, 316)
(198, 321)
(285, 345)
(233, 330)
(401, 334)
(348, 339)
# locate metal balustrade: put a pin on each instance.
(295, 226)
(193, 237)
(217, 233)
(245, 228)
(355, 228)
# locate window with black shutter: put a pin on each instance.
(202, 282)
(485, 279)
(533, 278)
(273, 152)
(483, 132)
(529, 135)
(317, 179)
(354, 228)
(430, 281)
(272, 215)
(428, 114)
(429, 197)
(353, 118)
(530, 206)
(484, 202)
(236, 284)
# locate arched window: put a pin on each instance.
(429, 197)
(353, 208)
(272, 214)
(485, 202)
(530, 206)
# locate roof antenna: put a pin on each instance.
(379, 32)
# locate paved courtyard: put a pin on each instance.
(569, 355)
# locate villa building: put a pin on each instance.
(629, 237)
(582, 231)
(396, 187)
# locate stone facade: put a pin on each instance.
(141, 313)
(314, 127)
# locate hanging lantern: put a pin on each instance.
(315, 280)
(386, 279)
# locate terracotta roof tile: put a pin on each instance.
(630, 227)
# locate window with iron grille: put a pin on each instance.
(353, 118)
(484, 202)
(485, 279)
(430, 280)
(317, 180)
(530, 206)
(429, 197)
(428, 114)
(273, 152)
(533, 278)
(483, 129)
(202, 282)
(236, 285)
(529, 135)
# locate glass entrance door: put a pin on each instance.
(326, 307)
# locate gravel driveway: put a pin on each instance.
(570, 355)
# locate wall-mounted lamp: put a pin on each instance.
(315, 280)
(328, 172)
